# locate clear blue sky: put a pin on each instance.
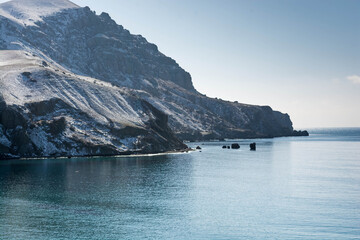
(300, 57)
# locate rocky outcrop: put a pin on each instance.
(300, 133)
(30, 132)
(235, 146)
(253, 146)
(96, 46)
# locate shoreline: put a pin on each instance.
(120, 155)
(142, 154)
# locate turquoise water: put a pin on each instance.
(290, 188)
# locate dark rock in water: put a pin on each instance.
(198, 148)
(224, 146)
(300, 133)
(235, 146)
(253, 146)
(228, 147)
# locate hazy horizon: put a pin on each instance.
(300, 58)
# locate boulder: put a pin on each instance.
(235, 146)
(44, 64)
(26, 74)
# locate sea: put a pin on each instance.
(289, 188)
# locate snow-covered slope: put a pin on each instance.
(27, 12)
(45, 111)
(96, 67)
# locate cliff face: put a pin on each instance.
(96, 46)
(63, 42)
(46, 111)
(39, 130)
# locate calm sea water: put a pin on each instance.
(290, 188)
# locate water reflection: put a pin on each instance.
(288, 189)
(117, 191)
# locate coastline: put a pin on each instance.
(145, 154)
(119, 155)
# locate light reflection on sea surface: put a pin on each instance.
(290, 188)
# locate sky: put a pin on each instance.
(299, 57)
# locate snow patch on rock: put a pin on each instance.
(27, 13)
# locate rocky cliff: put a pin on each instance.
(92, 68)
(47, 111)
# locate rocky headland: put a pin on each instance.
(76, 83)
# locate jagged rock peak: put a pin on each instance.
(27, 12)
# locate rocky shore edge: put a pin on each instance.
(122, 154)
(140, 153)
